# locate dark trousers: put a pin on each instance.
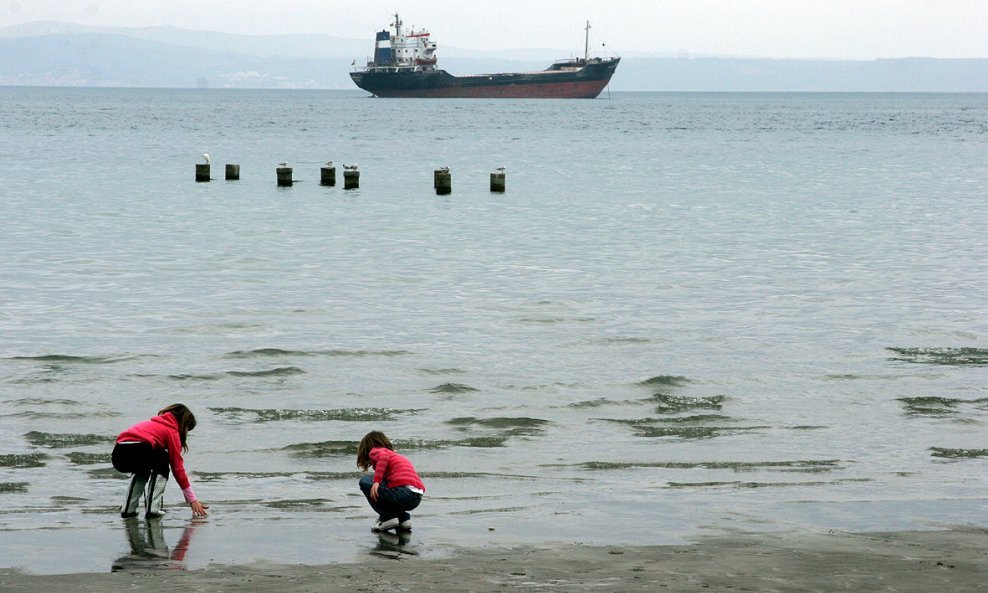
(140, 458)
(391, 502)
(149, 469)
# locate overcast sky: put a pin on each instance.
(854, 29)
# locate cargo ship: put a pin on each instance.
(405, 65)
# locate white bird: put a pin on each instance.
(329, 163)
(352, 167)
(205, 158)
(444, 168)
(502, 168)
(283, 164)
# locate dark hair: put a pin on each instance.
(186, 422)
(372, 440)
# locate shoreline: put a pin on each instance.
(954, 559)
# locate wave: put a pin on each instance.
(69, 359)
(692, 432)
(502, 422)
(554, 320)
(13, 487)
(36, 414)
(684, 427)
(668, 404)
(506, 426)
(349, 448)
(958, 453)
(624, 340)
(278, 352)
(340, 414)
(738, 484)
(277, 372)
(665, 380)
(195, 377)
(54, 440)
(80, 458)
(296, 503)
(323, 449)
(939, 406)
(591, 403)
(453, 388)
(944, 356)
(217, 476)
(38, 401)
(23, 460)
(443, 371)
(798, 465)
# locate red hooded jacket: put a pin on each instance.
(394, 469)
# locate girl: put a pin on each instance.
(146, 450)
(394, 488)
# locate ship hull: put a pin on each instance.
(585, 82)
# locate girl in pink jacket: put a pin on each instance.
(394, 488)
(148, 449)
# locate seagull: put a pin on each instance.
(444, 168)
(329, 163)
(205, 158)
(501, 168)
(352, 167)
(283, 164)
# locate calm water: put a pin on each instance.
(688, 313)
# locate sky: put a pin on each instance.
(835, 29)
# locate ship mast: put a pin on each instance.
(586, 44)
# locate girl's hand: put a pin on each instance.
(198, 509)
(373, 491)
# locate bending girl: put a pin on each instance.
(147, 450)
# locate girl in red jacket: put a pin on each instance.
(394, 488)
(147, 450)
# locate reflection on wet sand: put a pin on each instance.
(392, 545)
(148, 550)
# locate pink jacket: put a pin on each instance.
(394, 469)
(161, 432)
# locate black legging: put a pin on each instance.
(140, 458)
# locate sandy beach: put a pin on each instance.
(915, 561)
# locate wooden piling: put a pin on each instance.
(202, 171)
(232, 172)
(284, 176)
(442, 180)
(497, 182)
(328, 176)
(351, 179)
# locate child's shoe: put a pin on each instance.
(405, 525)
(385, 525)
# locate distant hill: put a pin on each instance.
(60, 54)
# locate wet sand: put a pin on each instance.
(941, 561)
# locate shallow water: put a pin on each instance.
(688, 312)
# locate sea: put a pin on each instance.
(688, 314)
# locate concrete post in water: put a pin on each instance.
(328, 174)
(232, 172)
(351, 177)
(497, 181)
(442, 179)
(284, 175)
(202, 169)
